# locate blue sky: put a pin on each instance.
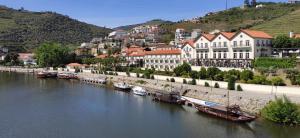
(112, 13)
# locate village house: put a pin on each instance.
(188, 52)
(162, 59)
(74, 66)
(134, 55)
(27, 58)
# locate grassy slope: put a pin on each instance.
(152, 22)
(282, 25)
(236, 18)
(24, 30)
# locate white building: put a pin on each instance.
(294, 1)
(181, 36)
(188, 52)
(162, 59)
(118, 34)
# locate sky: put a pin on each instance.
(113, 13)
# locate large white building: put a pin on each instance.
(162, 59)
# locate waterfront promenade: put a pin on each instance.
(251, 101)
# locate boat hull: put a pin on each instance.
(224, 115)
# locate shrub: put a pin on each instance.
(172, 80)
(137, 75)
(185, 67)
(110, 73)
(231, 83)
(194, 75)
(184, 81)
(203, 73)
(246, 75)
(239, 88)
(141, 82)
(276, 63)
(277, 81)
(152, 77)
(193, 82)
(282, 110)
(217, 85)
(206, 84)
(212, 71)
(219, 76)
(260, 80)
(168, 80)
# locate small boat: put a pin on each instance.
(122, 86)
(172, 97)
(45, 74)
(102, 80)
(67, 76)
(232, 113)
(139, 91)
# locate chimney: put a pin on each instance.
(291, 34)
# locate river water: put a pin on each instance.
(50, 108)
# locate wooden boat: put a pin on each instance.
(172, 97)
(232, 113)
(45, 74)
(67, 76)
(122, 86)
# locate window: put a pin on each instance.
(206, 55)
(235, 55)
(214, 44)
(220, 54)
(161, 61)
(247, 43)
(241, 43)
(225, 54)
(206, 45)
(241, 36)
(166, 61)
(247, 55)
(197, 45)
(235, 43)
(258, 43)
(201, 45)
(215, 55)
(241, 54)
(225, 44)
(220, 44)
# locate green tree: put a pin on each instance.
(212, 71)
(277, 81)
(282, 41)
(296, 42)
(231, 83)
(11, 59)
(246, 75)
(282, 110)
(194, 74)
(185, 67)
(52, 55)
(203, 73)
(247, 3)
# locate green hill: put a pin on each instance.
(24, 30)
(152, 22)
(282, 25)
(237, 18)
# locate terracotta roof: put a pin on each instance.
(76, 65)
(297, 36)
(190, 42)
(209, 36)
(137, 54)
(228, 35)
(102, 56)
(164, 52)
(257, 34)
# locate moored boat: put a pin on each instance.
(232, 113)
(172, 97)
(122, 86)
(46, 74)
(139, 91)
(67, 76)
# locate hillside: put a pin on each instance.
(237, 18)
(282, 25)
(24, 30)
(152, 22)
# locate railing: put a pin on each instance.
(240, 46)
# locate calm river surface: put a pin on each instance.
(49, 108)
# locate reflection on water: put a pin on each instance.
(31, 107)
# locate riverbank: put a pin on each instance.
(250, 101)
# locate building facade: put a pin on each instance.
(162, 59)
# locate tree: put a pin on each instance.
(247, 3)
(277, 81)
(231, 83)
(253, 3)
(203, 73)
(52, 55)
(212, 71)
(282, 110)
(282, 41)
(185, 67)
(11, 58)
(194, 74)
(295, 42)
(246, 75)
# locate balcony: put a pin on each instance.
(241, 46)
(202, 47)
(219, 47)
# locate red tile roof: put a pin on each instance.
(102, 56)
(209, 36)
(257, 34)
(76, 65)
(228, 35)
(164, 52)
(297, 36)
(137, 54)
